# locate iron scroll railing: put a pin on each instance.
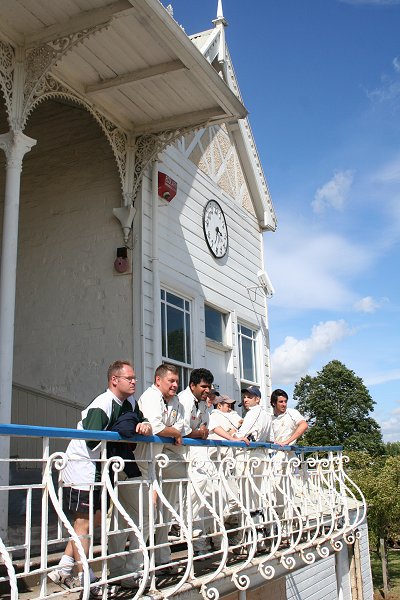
(195, 516)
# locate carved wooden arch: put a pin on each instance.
(117, 138)
(23, 92)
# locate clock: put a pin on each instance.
(215, 229)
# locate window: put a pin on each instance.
(248, 354)
(215, 325)
(176, 333)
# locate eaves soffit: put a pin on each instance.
(129, 58)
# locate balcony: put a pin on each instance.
(243, 516)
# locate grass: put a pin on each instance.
(394, 575)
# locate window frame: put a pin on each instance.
(255, 354)
(185, 367)
(226, 344)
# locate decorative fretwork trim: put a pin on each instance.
(52, 88)
(149, 146)
(40, 60)
(34, 83)
(7, 65)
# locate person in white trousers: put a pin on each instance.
(161, 407)
(194, 401)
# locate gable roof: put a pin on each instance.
(212, 45)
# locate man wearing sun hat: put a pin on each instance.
(224, 421)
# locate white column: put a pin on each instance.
(157, 353)
(15, 146)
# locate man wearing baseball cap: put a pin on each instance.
(257, 423)
(252, 390)
(256, 427)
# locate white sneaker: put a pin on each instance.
(67, 582)
(96, 591)
(113, 591)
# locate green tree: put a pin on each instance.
(338, 406)
(379, 480)
(392, 448)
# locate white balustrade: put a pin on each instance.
(236, 509)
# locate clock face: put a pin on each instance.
(215, 229)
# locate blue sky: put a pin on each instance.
(321, 81)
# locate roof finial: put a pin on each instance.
(220, 20)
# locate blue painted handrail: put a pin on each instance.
(86, 434)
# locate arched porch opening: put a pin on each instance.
(73, 311)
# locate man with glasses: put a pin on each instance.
(83, 468)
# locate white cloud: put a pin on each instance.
(310, 268)
(391, 427)
(291, 360)
(367, 305)
(334, 193)
(396, 64)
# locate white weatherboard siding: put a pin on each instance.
(187, 267)
(313, 582)
(222, 280)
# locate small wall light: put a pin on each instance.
(121, 263)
